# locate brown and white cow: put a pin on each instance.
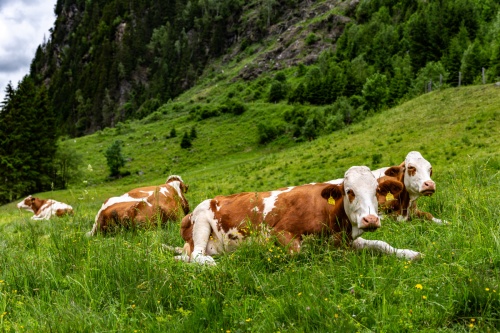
(144, 205)
(44, 209)
(415, 173)
(344, 211)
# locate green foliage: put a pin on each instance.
(277, 92)
(67, 163)
(267, 133)
(114, 158)
(186, 141)
(28, 141)
(375, 92)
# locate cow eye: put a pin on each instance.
(430, 171)
(351, 195)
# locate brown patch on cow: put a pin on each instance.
(389, 186)
(412, 171)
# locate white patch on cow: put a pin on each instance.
(269, 202)
(379, 172)
(337, 181)
(204, 222)
(362, 182)
(177, 187)
(164, 190)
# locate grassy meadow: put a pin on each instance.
(54, 279)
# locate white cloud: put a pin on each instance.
(23, 26)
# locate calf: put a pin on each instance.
(44, 209)
(343, 210)
(145, 205)
(415, 173)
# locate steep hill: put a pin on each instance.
(109, 61)
(451, 128)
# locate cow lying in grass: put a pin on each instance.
(415, 173)
(344, 211)
(145, 205)
(44, 209)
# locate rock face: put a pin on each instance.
(298, 38)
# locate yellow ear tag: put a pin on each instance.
(389, 197)
(331, 200)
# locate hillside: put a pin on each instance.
(450, 128)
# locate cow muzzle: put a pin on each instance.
(370, 223)
(428, 188)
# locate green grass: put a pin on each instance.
(53, 278)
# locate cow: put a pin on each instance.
(44, 209)
(143, 206)
(415, 173)
(343, 211)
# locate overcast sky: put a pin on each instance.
(23, 25)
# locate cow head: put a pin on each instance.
(416, 174)
(182, 186)
(27, 203)
(359, 192)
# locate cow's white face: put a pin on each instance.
(360, 199)
(418, 172)
(26, 203)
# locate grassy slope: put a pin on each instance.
(53, 278)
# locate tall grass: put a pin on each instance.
(53, 278)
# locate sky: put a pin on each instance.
(23, 26)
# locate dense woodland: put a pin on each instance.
(109, 61)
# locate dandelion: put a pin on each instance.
(299, 294)
(472, 319)
(487, 289)
(336, 316)
(424, 297)
(419, 286)
(248, 320)
(471, 325)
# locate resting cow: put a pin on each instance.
(144, 206)
(44, 209)
(415, 173)
(344, 211)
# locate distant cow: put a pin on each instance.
(344, 211)
(44, 209)
(144, 206)
(415, 173)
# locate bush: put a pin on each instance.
(375, 92)
(277, 92)
(114, 158)
(267, 133)
(186, 141)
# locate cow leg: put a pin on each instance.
(287, 239)
(201, 236)
(381, 246)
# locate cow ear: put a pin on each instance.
(186, 188)
(390, 186)
(333, 191)
(394, 171)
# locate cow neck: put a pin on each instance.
(404, 198)
(37, 204)
(339, 221)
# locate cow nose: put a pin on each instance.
(428, 187)
(371, 222)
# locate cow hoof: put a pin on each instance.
(204, 260)
(410, 255)
(183, 257)
(89, 234)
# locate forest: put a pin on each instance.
(107, 62)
